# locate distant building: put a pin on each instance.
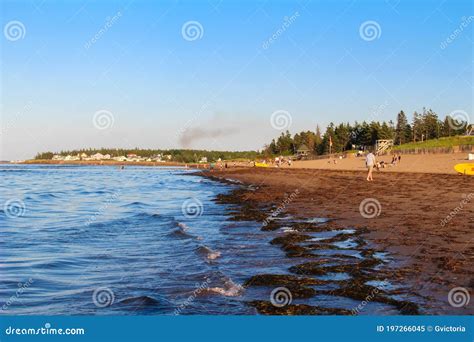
(69, 158)
(302, 151)
(58, 157)
(203, 160)
(97, 156)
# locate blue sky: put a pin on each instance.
(156, 85)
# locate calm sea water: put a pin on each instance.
(143, 240)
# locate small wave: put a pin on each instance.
(229, 289)
(136, 205)
(148, 215)
(208, 253)
(183, 226)
(48, 195)
(181, 231)
(140, 301)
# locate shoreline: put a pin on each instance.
(431, 254)
(108, 163)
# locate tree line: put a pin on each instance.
(178, 155)
(344, 136)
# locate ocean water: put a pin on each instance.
(142, 240)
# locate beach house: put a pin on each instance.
(303, 151)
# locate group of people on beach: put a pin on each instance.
(279, 161)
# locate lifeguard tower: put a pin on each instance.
(382, 146)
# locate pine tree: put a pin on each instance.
(400, 129)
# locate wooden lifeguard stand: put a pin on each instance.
(382, 146)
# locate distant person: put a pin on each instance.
(370, 163)
(399, 158)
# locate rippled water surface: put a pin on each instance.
(71, 231)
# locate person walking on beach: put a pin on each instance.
(370, 162)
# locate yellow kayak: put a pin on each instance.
(261, 165)
(465, 168)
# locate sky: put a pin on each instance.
(222, 75)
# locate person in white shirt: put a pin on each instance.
(370, 162)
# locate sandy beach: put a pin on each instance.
(417, 163)
(423, 220)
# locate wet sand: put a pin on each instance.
(424, 222)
